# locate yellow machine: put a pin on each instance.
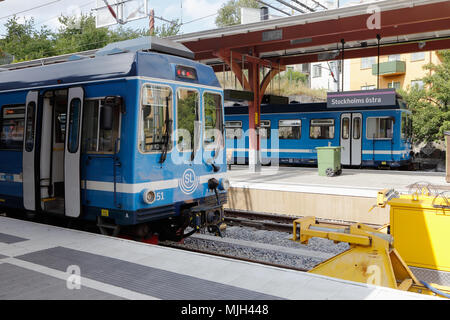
(418, 236)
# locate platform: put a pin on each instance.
(36, 262)
(300, 191)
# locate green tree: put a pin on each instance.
(24, 42)
(430, 105)
(230, 12)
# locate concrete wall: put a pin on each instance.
(333, 207)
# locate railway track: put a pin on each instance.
(272, 222)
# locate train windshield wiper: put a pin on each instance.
(166, 138)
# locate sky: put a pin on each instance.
(46, 12)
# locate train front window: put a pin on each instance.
(406, 126)
(12, 123)
(289, 129)
(380, 128)
(188, 120)
(321, 129)
(156, 118)
(213, 124)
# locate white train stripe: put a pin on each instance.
(139, 187)
(369, 152)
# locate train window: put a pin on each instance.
(290, 129)
(12, 123)
(233, 129)
(379, 128)
(30, 126)
(345, 128)
(97, 138)
(356, 128)
(264, 131)
(156, 118)
(188, 119)
(74, 125)
(321, 129)
(406, 126)
(213, 124)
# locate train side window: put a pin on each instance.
(345, 128)
(290, 129)
(30, 126)
(188, 117)
(213, 118)
(233, 130)
(379, 128)
(12, 123)
(356, 128)
(406, 126)
(321, 129)
(264, 131)
(156, 118)
(97, 138)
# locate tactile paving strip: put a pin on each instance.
(7, 238)
(151, 281)
(20, 283)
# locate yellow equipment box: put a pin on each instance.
(420, 227)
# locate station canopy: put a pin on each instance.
(403, 26)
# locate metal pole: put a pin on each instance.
(378, 62)
(342, 64)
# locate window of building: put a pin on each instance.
(264, 131)
(213, 124)
(394, 57)
(321, 129)
(379, 128)
(290, 129)
(317, 71)
(394, 85)
(97, 137)
(188, 119)
(366, 63)
(417, 84)
(156, 118)
(368, 87)
(417, 56)
(12, 123)
(233, 129)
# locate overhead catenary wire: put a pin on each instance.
(275, 8)
(37, 7)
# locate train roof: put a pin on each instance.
(111, 63)
(306, 107)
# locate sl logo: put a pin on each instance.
(188, 182)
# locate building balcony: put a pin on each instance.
(390, 68)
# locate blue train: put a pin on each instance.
(372, 127)
(130, 138)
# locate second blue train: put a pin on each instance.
(372, 127)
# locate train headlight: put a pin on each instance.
(148, 196)
(224, 184)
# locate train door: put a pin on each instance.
(54, 110)
(72, 151)
(351, 137)
(29, 152)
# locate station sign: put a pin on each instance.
(365, 98)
